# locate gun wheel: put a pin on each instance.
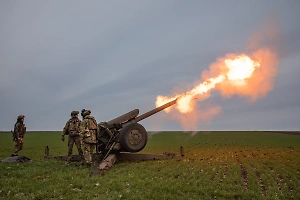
(133, 137)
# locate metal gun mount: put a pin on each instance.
(101, 165)
(119, 136)
(124, 133)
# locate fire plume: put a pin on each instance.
(235, 70)
(250, 75)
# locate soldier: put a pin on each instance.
(18, 134)
(88, 132)
(72, 130)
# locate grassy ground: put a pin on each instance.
(216, 165)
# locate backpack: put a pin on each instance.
(92, 125)
(73, 128)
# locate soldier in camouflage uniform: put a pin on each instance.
(72, 130)
(18, 134)
(88, 132)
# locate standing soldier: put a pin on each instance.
(88, 132)
(72, 129)
(18, 134)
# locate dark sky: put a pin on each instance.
(114, 56)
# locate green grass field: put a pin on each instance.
(216, 165)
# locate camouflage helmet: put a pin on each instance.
(21, 117)
(85, 112)
(82, 111)
(74, 112)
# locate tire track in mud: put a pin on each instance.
(263, 189)
(278, 178)
(224, 173)
(244, 173)
(214, 175)
(255, 170)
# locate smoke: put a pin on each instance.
(204, 114)
(268, 36)
(258, 85)
(263, 47)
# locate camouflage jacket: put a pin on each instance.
(72, 127)
(89, 129)
(19, 130)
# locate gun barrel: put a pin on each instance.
(154, 111)
(123, 118)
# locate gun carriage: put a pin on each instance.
(124, 133)
(120, 139)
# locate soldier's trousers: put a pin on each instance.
(88, 151)
(18, 146)
(77, 141)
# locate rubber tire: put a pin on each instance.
(128, 132)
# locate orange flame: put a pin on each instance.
(237, 71)
(247, 75)
(240, 68)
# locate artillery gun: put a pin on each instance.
(119, 140)
(124, 133)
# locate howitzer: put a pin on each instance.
(124, 133)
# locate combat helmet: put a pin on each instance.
(85, 112)
(74, 112)
(20, 117)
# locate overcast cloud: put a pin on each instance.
(114, 56)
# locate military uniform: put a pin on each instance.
(18, 134)
(72, 130)
(88, 132)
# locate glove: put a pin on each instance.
(62, 138)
